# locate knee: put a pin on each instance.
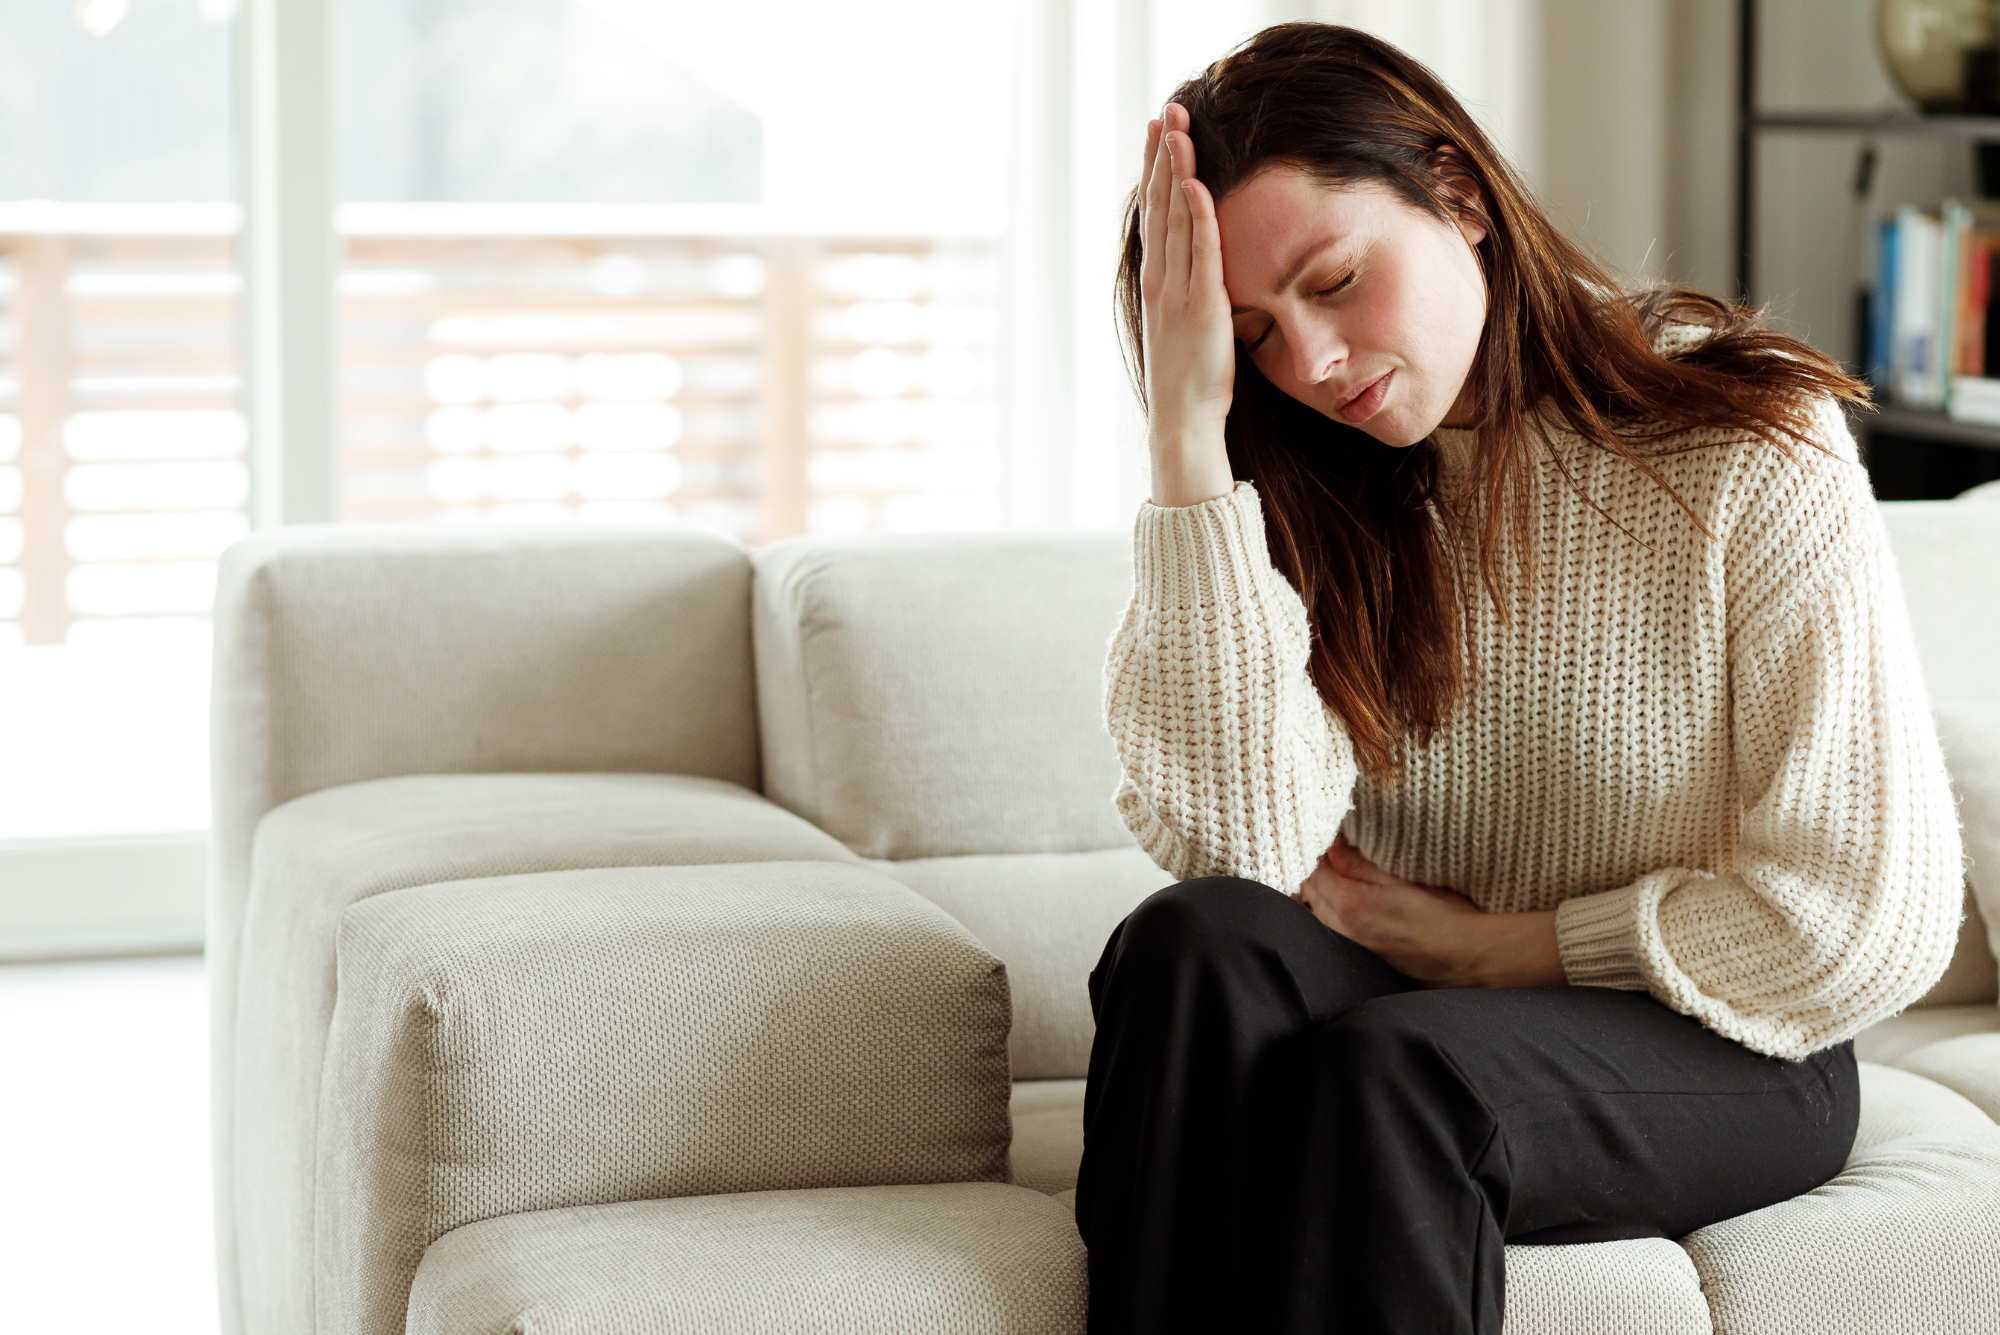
(1198, 917)
(1376, 1047)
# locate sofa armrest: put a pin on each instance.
(355, 652)
(573, 1038)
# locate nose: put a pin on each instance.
(1317, 351)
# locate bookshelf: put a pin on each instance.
(1911, 453)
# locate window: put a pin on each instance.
(121, 446)
(602, 266)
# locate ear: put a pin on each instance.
(1461, 188)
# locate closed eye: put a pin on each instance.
(1321, 294)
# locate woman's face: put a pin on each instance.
(1353, 302)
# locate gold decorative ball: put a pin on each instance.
(1924, 44)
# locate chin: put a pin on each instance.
(1397, 433)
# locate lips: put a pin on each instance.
(1366, 401)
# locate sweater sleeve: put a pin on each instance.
(1842, 905)
(1231, 763)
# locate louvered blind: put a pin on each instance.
(762, 385)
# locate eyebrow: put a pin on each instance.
(1310, 254)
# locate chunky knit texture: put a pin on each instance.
(1712, 755)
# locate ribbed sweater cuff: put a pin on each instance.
(1190, 556)
(1598, 939)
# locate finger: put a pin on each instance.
(1204, 240)
(1179, 222)
(1342, 855)
(1175, 117)
(1146, 160)
(1353, 863)
(1158, 205)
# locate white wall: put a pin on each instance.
(1605, 126)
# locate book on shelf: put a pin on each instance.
(1933, 329)
(1975, 398)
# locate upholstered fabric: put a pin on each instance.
(356, 652)
(1048, 1133)
(1972, 975)
(571, 1038)
(319, 854)
(1892, 1040)
(1904, 1242)
(1969, 1064)
(1048, 916)
(966, 1259)
(1944, 551)
(1897, 1103)
(931, 696)
(1970, 733)
(1642, 1287)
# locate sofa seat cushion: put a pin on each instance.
(317, 855)
(1645, 1286)
(1903, 1242)
(1048, 916)
(1900, 1035)
(1969, 1064)
(971, 1257)
(1897, 1103)
(342, 844)
(584, 1037)
(1048, 1133)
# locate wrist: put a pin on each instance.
(1189, 466)
(1518, 950)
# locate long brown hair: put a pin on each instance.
(1353, 524)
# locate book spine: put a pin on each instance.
(1979, 286)
(1882, 308)
(1915, 347)
(1944, 304)
(1991, 366)
(1962, 293)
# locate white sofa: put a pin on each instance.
(615, 931)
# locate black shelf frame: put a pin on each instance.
(1753, 122)
(1927, 424)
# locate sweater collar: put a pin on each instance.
(1455, 447)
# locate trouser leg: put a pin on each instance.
(1202, 999)
(1442, 1125)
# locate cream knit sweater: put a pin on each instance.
(1713, 758)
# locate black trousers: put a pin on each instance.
(1284, 1134)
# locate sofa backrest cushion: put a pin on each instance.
(1948, 554)
(360, 652)
(1048, 917)
(931, 696)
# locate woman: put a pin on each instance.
(1517, 675)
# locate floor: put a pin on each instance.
(104, 1197)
